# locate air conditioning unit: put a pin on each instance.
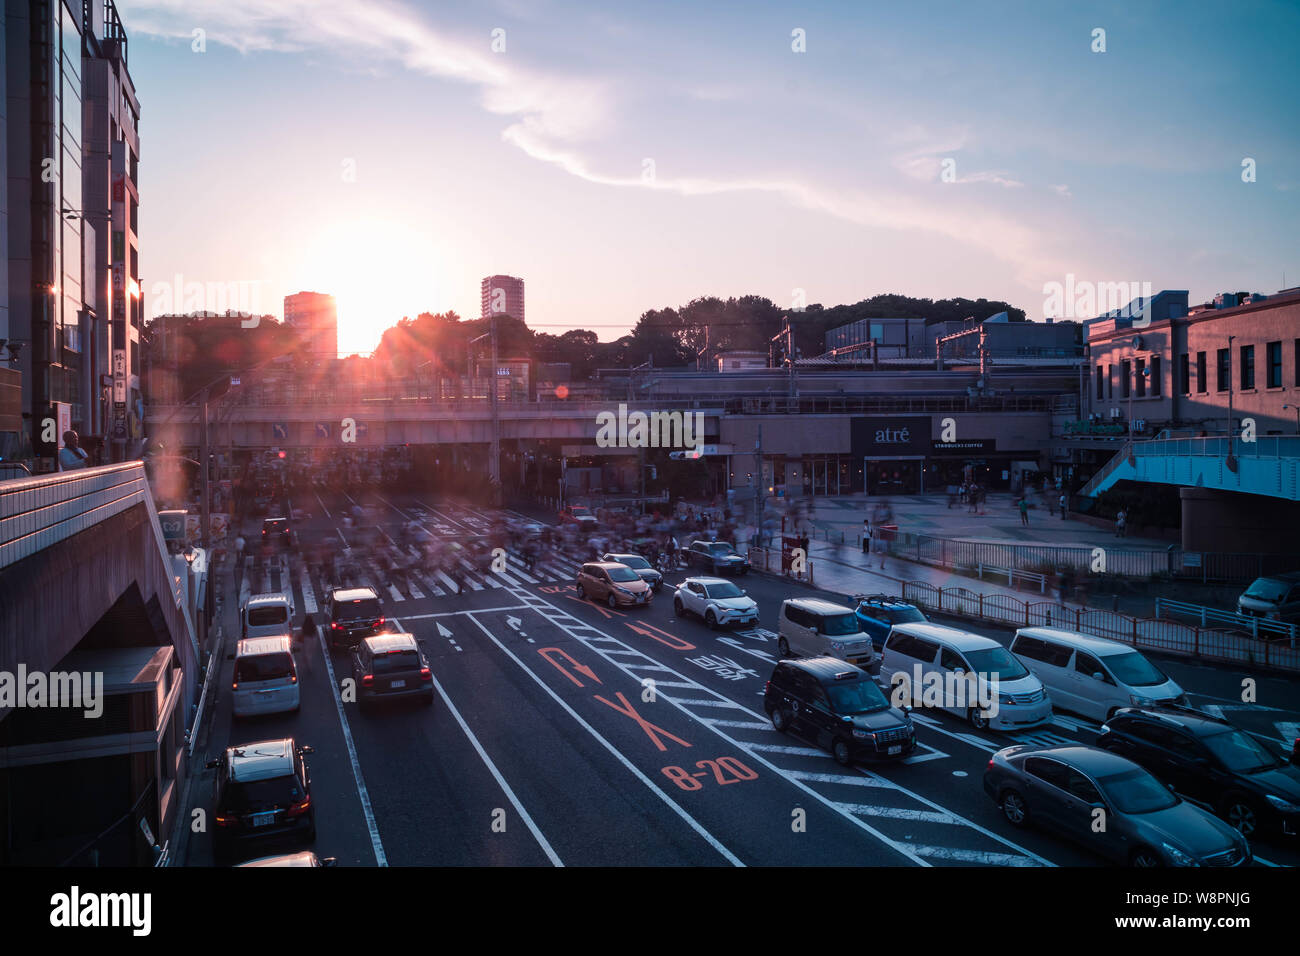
(1114, 413)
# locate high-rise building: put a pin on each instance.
(71, 309)
(316, 315)
(503, 295)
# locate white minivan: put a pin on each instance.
(934, 656)
(267, 615)
(1093, 676)
(266, 677)
(812, 627)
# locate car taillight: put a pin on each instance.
(990, 766)
(293, 678)
(367, 680)
(379, 623)
(298, 809)
(426, 674)
(235, 686)
(336, 626)
(224, 821)
(767, 686)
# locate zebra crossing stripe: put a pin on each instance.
(983, 857)
(396, 594)
(687, 702)
(899, 813)
(851, 781)
(308, 595)
(786, 749)
(738, 724)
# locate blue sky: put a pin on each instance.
(384, 152)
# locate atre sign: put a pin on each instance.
(891, 437)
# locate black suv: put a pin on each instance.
(839, 707)
(390, 667)
(262, 793)
(715, 557)
(352, 614)
(1211, 762)
(276, 533)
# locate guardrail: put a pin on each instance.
(1165, 636)
(1013, 576)
(1254, 626)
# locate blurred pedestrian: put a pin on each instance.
(1121, 524)
(1024, 511)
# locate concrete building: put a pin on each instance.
(1000, 339)
(503, 295)
(739, 360)
(1193, 368)
(890, 338)
(315, 314)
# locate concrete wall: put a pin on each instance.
(1228, 521)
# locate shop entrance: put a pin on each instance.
(893, 477)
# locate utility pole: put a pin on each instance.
(204, 501)
(758, 481)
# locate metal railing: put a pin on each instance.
(1254, 626)
(1165, 636)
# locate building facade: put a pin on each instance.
(316, 315)
(503, 295)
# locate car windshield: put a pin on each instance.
(724, 589)
(839, 625)
(362, 609)
(397, 661)
(1136, 791)
(996, 662)
(623, 575)
(579, 512)
(857, 697)
(1135, 670)
(1240, 752)
(264, 616)
(277, 525)
(1267, 589)
(263, 794)
(719, 548)
(264, 667)
(632, 561)
(907, 615)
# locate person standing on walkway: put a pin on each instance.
(1024, 512)
(866, 535)
(1061, 501)
(1121, 524)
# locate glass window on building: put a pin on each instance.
(1157, 387)
(1141, 378)
(1275, 364)
(1225, 369)
(1202, 379)
(1247, 366)
(1125, 378)
(1184, 374)
(1101, 386)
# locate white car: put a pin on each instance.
(718, 601)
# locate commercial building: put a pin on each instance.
(316, 316)
(503, 295)
(888, 338)
(71, 311)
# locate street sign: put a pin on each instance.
(280, 431)
(173, 525)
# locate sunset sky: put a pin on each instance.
(382, 151)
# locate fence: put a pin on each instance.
(1169, 637)
(1228, 620)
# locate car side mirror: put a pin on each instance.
(1098, 675)
(1170, 786)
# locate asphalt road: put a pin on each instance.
(566, 733)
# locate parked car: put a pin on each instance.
(716, 558)
(1275, 596)
(391, 667)
(1211, 762)
(1069, 789)
(640, 565)
(816, 628)
(352, 614)
(262, 793)
(266, 677)
(838, 707)
(1093, 676)
(877, 613)
(934, 652)
(615, 584)
(715, 600)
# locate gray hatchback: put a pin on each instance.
(1110, 805)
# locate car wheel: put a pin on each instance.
(1240, 814)
(678, 607)
(781, 720)
(783, 647)
(1013, 808)
(840, 749)
(1145, 857)
(711, 619)
(611, 601)
(977, 719)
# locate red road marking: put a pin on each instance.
(580, 668)
(644, 724)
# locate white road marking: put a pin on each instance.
(631, 767)
(900, 813)
(308, 594)
(738, 724)
(477, 610)
(846, 779)
(786, 749)
(685, 702)
(501, 781)
(983, 857)
(922, 758)
(375, 843)
(395, 594)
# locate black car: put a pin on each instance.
(1213, 763)
(262, 794)
(1109, 805)
(352, 614)
(276, 533)
(391, 667)
(715, 557)
(838, 706)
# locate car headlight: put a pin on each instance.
(1138, 701)
(1006, 699)
(1286, 806)
(1178, 857)
(864, 735)
(621, 590)
(837, 645)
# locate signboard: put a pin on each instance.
(965, 447)
(891, 436)
(173, 524)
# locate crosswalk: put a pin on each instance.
(285, 573)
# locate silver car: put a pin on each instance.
(1110, 805)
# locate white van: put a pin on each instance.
(922, 649)
(1093, 676)
(812, 627)
(266, 677)
(267, 615)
